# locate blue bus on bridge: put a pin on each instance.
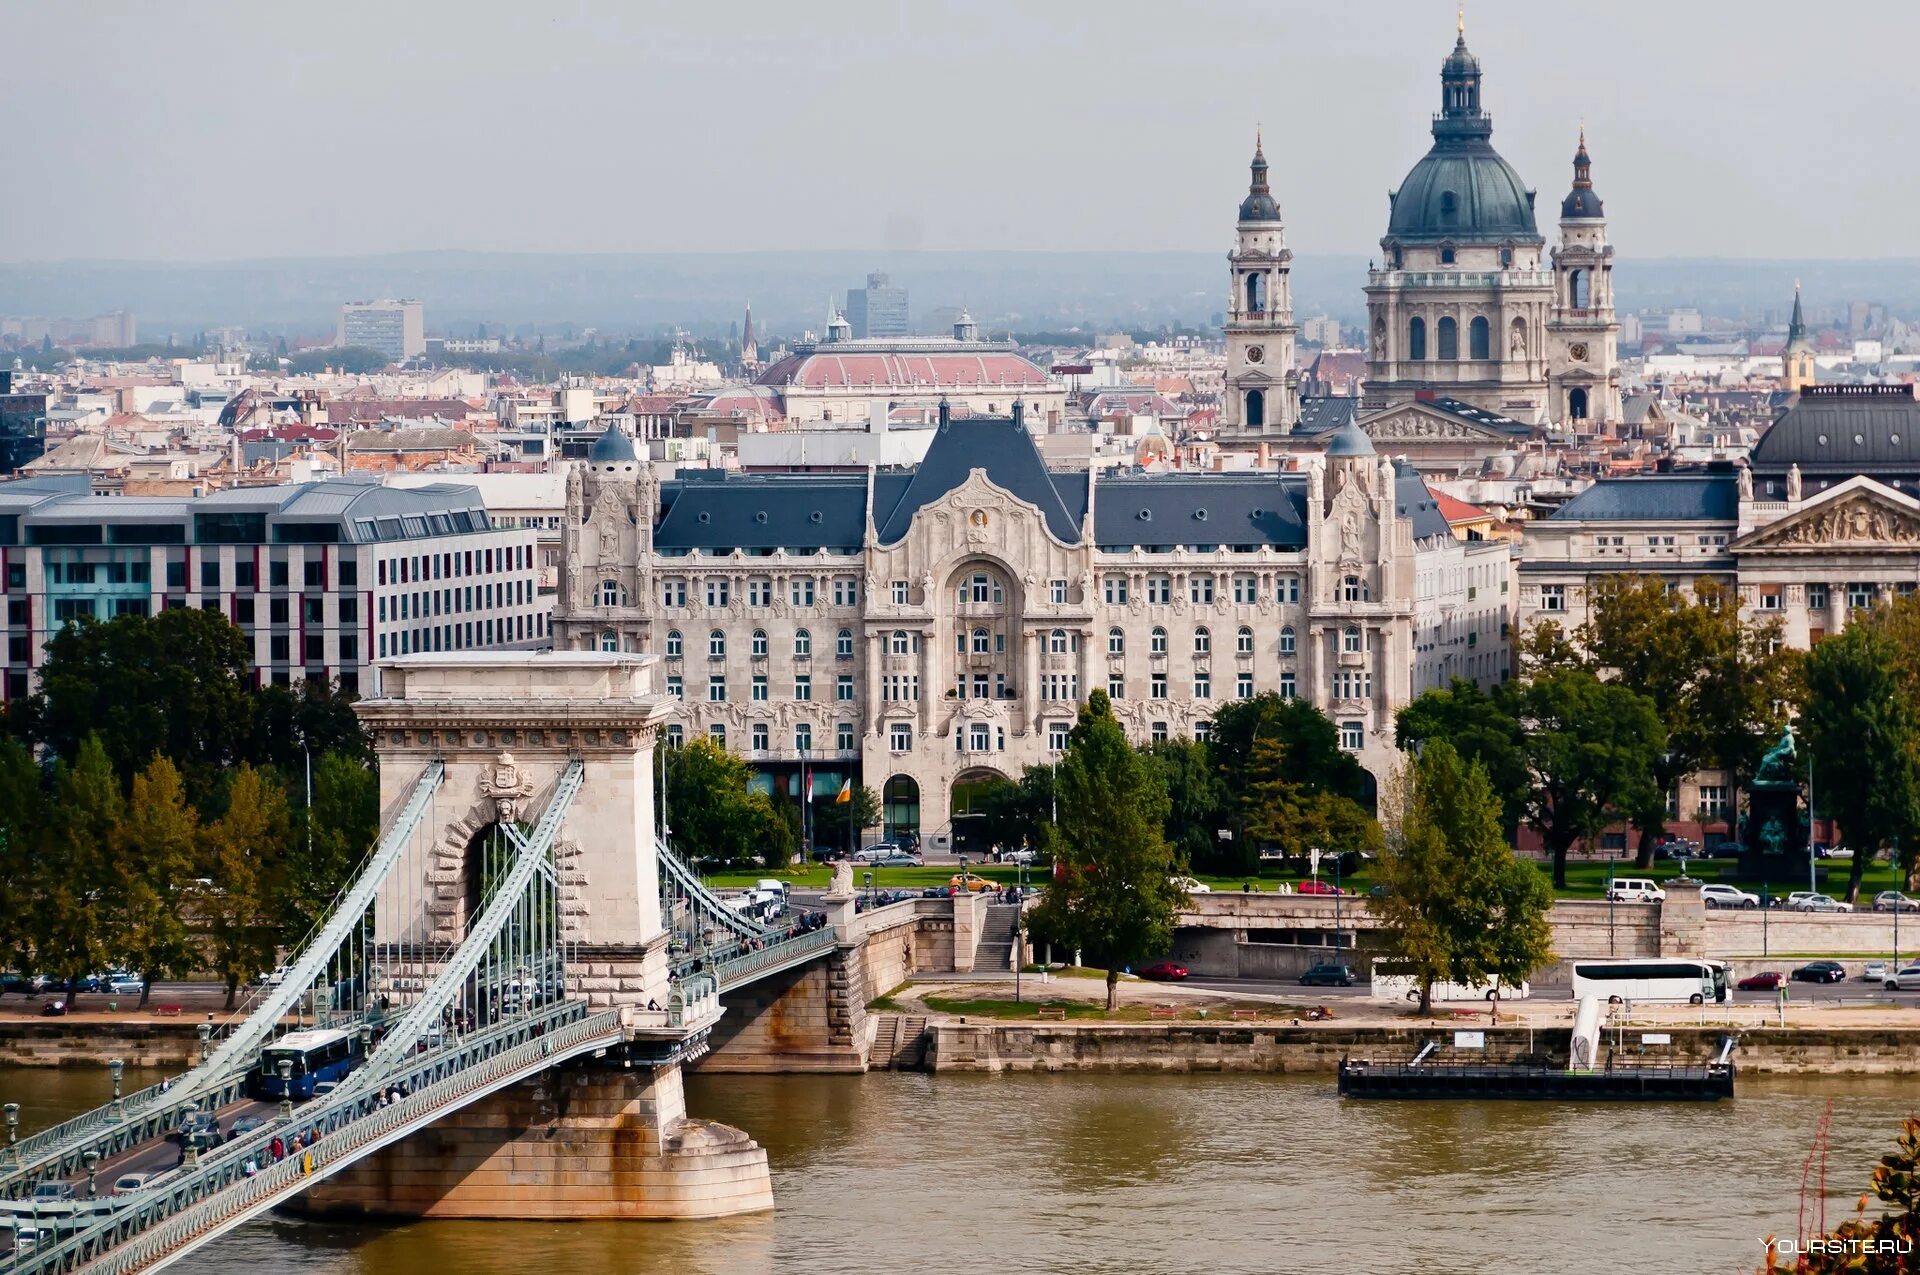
(318, 1056)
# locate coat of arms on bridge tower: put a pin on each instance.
(506, 787)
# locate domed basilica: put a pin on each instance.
(1477, 335)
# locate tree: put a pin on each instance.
(1281, 811)
(1016, 812)
(245, 854)
(1882, 1245)
(710, 809)
(1459, 907)
(157, 850)
(1112, 891)
(1197, 808)
(1482, 728)
(177, 684)
(289, 722)
(1311, 741)
(22, 822)
(1591, 747)
(330, 838)
(78, 891)
(1863, 736)
(831, 818)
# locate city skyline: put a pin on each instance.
(1100, 151)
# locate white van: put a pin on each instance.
(768, 884)
(1635, 890)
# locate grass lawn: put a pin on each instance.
(1029, 1009)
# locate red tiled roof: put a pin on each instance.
(1458, 510)
(825, 370)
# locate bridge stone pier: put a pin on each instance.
(603, 1136)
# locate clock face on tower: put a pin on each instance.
(1255, 353)
(1579, 351)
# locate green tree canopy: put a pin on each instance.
(80, 889)
(1112, 892)
(1016, 812)
(1197, 808)
(1863, 737)
(330, 838)
(1591, 749)
(831, 816)
(157, 848)
(1482, 728)
(1459, 907)
(710, 809)
(22, 823)
(1311, 742)
(244, 853)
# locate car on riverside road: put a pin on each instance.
(1311, 886)
(1187, 885)
(1906, 979)
(963, 880)
(1894, 901)
(1874, 971)
(1328, 974)
(1164, 972)
(1727, 896)
(1764, 981)
(1820, 972)
(1813, 901)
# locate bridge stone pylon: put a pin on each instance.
(505, 725)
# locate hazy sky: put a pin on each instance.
(204, 131)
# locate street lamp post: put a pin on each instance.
(91, 1159)
(117, 1068)
(285, 1067)
(190, 1149)
(13, 1131)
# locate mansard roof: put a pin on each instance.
(1656, 498)
(998, 445)
(715, 509)
(1415, 502)
(1189, 509)
(1850, 429)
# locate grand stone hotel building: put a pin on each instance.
(923, 630)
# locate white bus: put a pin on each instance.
(1671, 981)
(1392, 986)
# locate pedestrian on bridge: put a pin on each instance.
(277, 1149)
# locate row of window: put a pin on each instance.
(431, 602)
(1861, 596)
(421, 568)
(1244, 589)
(462, 636)
(1447, 339)
(980, 641)
(802, 644)
(717, 591)
(978, 737)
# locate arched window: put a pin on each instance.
(897, 644)
(1256, 293)
(1353, 589)
(1506, 258)
(1577, 403)
(1578, 289)
(1057, 642)
(1116, 642)
(1447, 338)
(609, 641)
(843, 644)
(1256, 408)
(611, 594)
(673, 644)
(1202, 641)
(1399, 258)
(1479, 338)
(717, 644)
(982, 642)
(802, 642)
(760, 644)
(1243, 641)
(1417, 338)
(1158, 642)
(1446, 256)
(1286, 640)
(1350, 639)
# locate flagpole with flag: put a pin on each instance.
(845, 798)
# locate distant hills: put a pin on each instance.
(631, 294)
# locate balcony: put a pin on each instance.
(1496, 279)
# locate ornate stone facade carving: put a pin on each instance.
(1858, 521)
(506, 788)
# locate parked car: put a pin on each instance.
(1187, 885)
(1833, 852)
(1311, 886)
(1894, 901)
(1164, 971)
(1635, 890)
(1820, 972)
(1875, 971)
(276, 978)
(1678, 848)
(1718, 847)
(1906, 979)
(1764, 981)
(897, 859)
(1024, 855)
(1813, 901)
(126, 984)
(1327, 974)
(25, 984)
(1727, 896)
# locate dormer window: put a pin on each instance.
(1446, 256)
(1506, 258)
(1399, 259)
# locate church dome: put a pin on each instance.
(1582, 200)
(1461, 191)
(612, 447)
(1350, 440)
(1259, 205)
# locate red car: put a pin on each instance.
(1164, 971)
(1765, 981)
(1317, 887)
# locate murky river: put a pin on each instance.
(912, 1175)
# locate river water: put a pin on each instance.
(902, 1174)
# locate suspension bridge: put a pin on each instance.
(516, 949)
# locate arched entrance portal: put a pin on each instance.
(969, 808)
(900, 808)
(1577, 403)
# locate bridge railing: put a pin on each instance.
(774, 956)
(221, 1193)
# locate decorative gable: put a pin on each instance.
(1860, 516)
